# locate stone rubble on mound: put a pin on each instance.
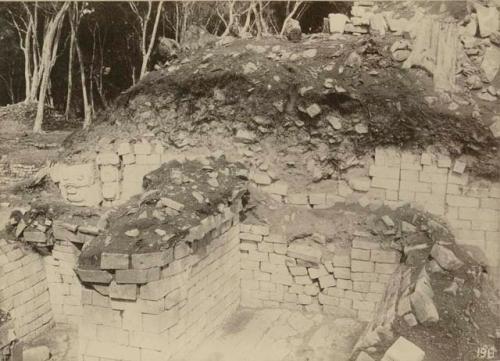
(479, 35)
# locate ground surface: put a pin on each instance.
(280, 335)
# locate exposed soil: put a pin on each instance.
(209, 94)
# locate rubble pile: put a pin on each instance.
(332, 96)
(436, 294)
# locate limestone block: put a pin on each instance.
(304, 252)
(124, 148)
(404, 350)
(317, 198)
(123, 291)
(491, 62)
(337, 23)
(143, 148)
(342, 273)
(250, 237)
(34, 236)
(315, 273)
(152, 259)
(385, 256)
(360, 254)
(114, 260)
(342, 260)
(362, 266)
(327, 281)
(109, 173)
(364, 243)
(111, 191)
(298, 199)
(107, 158)
(488, 19)
(344, 284)
(385, 183)
(94, 276)
(360, 184)
(279, 188)
(128, 159)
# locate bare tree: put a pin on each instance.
(49, 53)
(290, 15)
(144, 19)
(70, 72)
(76, 15)
(24, 21)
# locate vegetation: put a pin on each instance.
(76, 57)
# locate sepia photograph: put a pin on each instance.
(250, 180)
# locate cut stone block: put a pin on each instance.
(337, 23)
(404, 350)
(123, 291)
(94, 276)
(143, 148)
(153, 259)
(446, 258)
(138, 276)
(114, 260)
(304, 252)
(327, 281)
(424, 308)
(107, 158)
(34, 236)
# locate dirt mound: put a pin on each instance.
(19, 118)
(162, 215)
(341, 93)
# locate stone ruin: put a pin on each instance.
(169, 258)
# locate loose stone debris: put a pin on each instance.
(321, 217)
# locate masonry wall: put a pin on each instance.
(180, 305)
(432, 182)
(64, 287)
(14, 172)
(24, 290)
(114, 176)
(307, 277)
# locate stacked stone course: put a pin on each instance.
(298, 276)
(432, 182)
(24, 291)
(14, 172)
(64, 287)
(167, 302)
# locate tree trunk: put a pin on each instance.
(290, 15)
(35, 53)
(27, 61)
(146, 54)
(230, 22)
(87, 120)
(47, 61)
(70, 74)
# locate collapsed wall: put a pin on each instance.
(147, 297)
(311, 276)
